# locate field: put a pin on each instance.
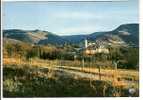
(45, 78)
(70, 49)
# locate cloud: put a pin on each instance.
(75, 15)
(78, 30)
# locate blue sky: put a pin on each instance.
(66, 18)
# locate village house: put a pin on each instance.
(92, 48)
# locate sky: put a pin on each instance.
(69, 18)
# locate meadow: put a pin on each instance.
(43, 78)
(53, 71)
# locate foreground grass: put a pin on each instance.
(36, 78)
(109, 72)
(32, 81)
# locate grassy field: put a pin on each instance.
(38, 78)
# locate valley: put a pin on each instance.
(77, 65)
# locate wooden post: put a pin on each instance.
(115, 81)
(61, 61)
(82, 62)
(99, 72)
(115, 71)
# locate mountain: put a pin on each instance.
(33, 36)
(74, 39)
(126, 34)
(129, 33)
(17, 35)
(52, 39)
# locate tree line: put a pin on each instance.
(127, 57)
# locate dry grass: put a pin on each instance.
(107, 74)
(31, 81)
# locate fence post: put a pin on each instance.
(99, 70)
(82, 62)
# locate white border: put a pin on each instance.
(141, 48)
(1, 39)
(65, 0)
(102, 98)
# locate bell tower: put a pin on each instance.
(86, 43)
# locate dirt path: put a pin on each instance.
(125, 76)
(77, 72)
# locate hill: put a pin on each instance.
(126, 33)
